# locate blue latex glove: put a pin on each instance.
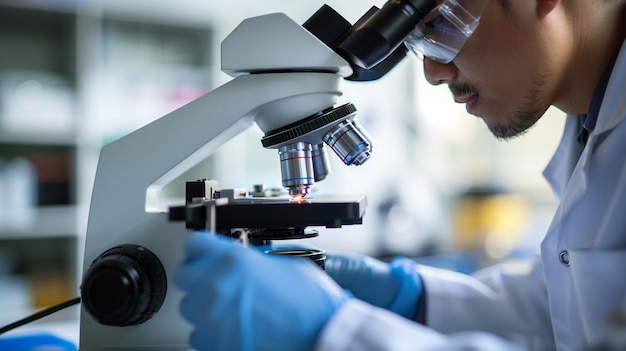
(395, 286)
(241, 299)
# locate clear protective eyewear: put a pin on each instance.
(445, 30)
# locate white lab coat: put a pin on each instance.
(564, 300)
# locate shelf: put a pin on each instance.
(74, 77)
(41, 222)
(52, 7)
(38, 40)
(36, 138)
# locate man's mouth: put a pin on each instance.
(470, 101)
(465, 94)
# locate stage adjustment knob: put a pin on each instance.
(125, 285)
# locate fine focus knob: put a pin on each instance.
(125, 285)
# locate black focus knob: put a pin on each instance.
(125, 285)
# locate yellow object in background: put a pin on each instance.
(489, 221)
(49, 288)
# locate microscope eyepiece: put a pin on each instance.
(373, 45)
(378, 34)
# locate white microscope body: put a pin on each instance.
(131, 171)
(286, 80)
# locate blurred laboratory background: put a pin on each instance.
(76, 75)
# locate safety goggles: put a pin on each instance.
(443, 32)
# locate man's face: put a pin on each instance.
(505, 73)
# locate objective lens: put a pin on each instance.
(321, 166)
(296, 168)
(349, 143)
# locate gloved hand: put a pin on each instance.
(241, 299)
(395, 286)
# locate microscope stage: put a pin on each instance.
(275, 213)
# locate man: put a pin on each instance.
(523, 57)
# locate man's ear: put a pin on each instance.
(544, 7)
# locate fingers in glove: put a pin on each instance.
(203, 251)
(350, 270)
(203, 242)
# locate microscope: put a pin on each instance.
(286, 80)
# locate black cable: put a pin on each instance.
(39, 315)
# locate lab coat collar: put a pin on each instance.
(560, 168)
(612, 112)
(590, 120)
(613, 107)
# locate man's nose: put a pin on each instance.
(437, 73)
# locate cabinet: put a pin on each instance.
(73, 79)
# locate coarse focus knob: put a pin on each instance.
(125, 285)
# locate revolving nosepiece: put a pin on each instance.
(301, 147)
